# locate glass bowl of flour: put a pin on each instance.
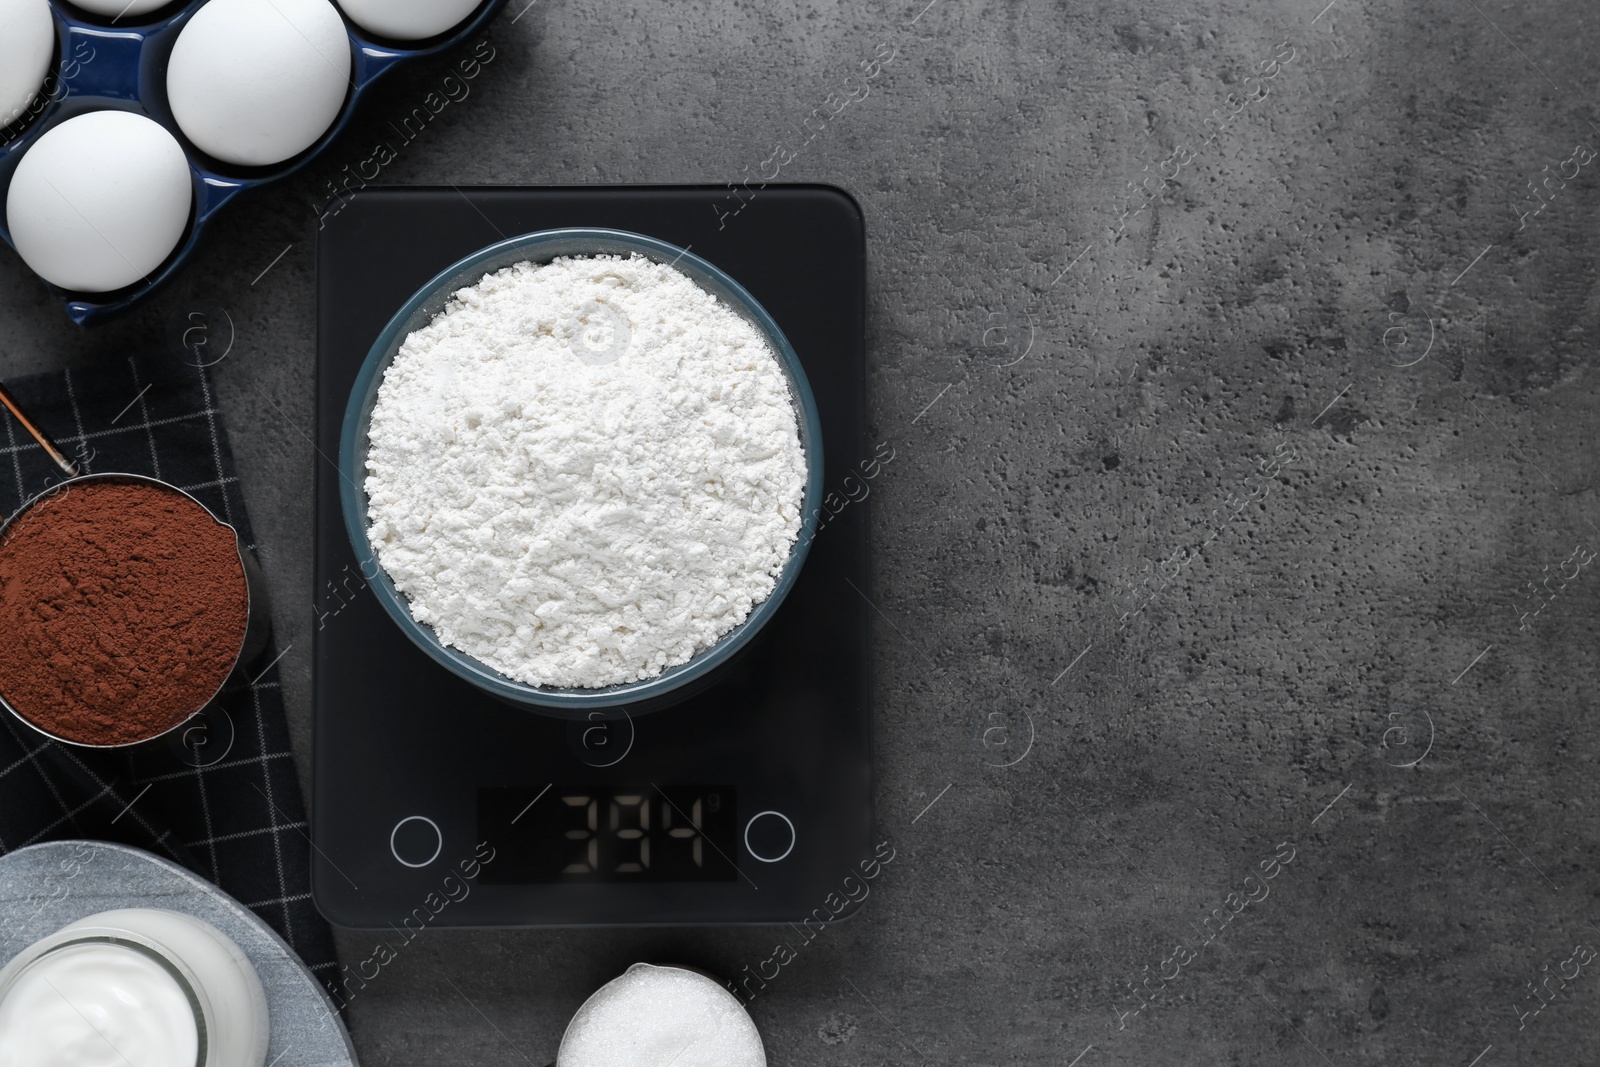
(581, 468)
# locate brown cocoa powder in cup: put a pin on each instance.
(123, 606)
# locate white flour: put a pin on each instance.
(585, 472)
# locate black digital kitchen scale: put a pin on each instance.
(748, 802)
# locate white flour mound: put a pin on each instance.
(585, 472)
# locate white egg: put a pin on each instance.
(257, 81)
(27, 44)
(99, 201)
(120, 8)
(407, 20)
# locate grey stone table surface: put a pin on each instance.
(1231, 575)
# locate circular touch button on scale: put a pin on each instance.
(769, 836)
(416, 841)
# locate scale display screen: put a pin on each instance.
(556, 833)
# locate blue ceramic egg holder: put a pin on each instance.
(103, 66)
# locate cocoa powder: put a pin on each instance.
(123, 606)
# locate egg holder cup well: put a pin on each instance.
(100, 66)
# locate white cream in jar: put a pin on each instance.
(92, 1004)
(133, 988)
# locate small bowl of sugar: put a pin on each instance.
(662, 1016)
(581, 468)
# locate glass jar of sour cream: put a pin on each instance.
(138, 987)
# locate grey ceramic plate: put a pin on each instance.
(45, 887)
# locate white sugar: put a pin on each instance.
(661, 1016)
(585, 472)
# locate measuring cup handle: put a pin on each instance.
(37, 433)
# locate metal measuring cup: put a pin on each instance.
(258, 626)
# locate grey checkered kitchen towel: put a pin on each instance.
(223, 798)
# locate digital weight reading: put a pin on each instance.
(588, 833)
